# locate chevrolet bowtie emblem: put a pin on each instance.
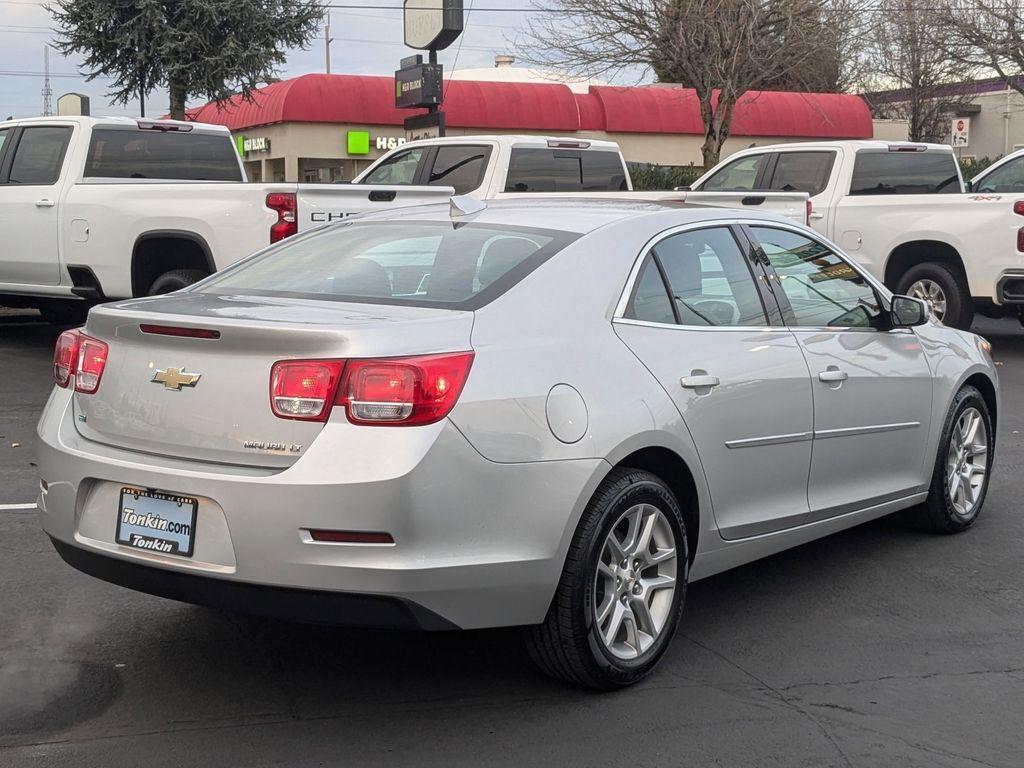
(175, 378)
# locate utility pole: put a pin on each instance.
(47, 90)
(327, 40)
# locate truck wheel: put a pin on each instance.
(942, 290)
(175, 280)
(622, 588)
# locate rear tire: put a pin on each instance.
(962, 468)
(611, 620)
(175, 280)
(934, 282)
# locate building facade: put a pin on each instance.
(328, 128)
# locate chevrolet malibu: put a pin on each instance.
(543, 413)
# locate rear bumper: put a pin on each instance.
(476, 543)
(311, 606)
(1010, 288)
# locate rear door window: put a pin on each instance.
(739, 175)
(802, 172)
(461, 167)
(40, 154)
(118, 153)
(904, 173)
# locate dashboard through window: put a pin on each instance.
(823, 289)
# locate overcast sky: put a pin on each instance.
(366, 41)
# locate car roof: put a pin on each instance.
(853, 144)
(517, 140)
(99, 120)
(569, 214)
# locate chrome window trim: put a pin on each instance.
(618, 315)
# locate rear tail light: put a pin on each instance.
(406, 391)
(808, 212)
(1020, 239)
(65, 357)
(287, 215)
(304, 389)
(1018, 207)
(174, 330)
(79, 359)
(400, 391)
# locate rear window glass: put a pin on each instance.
(565, 170)
(739, 175)
(904, 173)
(461, 167)
(431, 264)
(138, 154)
(802, 172)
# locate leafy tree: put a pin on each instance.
(207, 48)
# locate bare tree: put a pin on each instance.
(720, 48)
(910, 59)
(987, 35)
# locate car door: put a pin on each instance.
(740, 175)
(736, 374)
(807, 171)
(872, 384)
(29, 204)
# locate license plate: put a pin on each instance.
(157, 522)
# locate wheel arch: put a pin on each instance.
(987, 387)
(920, 251)
(676, 473)
(160, 250)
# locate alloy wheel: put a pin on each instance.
(967, 462)
(931, 293)
(635, 581)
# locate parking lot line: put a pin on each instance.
(12, 507)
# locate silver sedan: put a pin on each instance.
(553, 413)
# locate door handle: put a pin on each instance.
(45, 203)
(832, 375)
(699, 380)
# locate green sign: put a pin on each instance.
(240, 145)
(359, 142)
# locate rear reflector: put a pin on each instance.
(173, 330)
(304, 389)
(351, 537)
(287, 215)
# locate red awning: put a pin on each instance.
(481, 105)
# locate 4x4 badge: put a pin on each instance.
(175, 378)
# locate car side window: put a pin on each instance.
(39, 155)
(739, 175)
(802, 172)
(823, 289)
(461, 167)
(709, 279)
(650, 301)
(398, 169)
(1006, 178)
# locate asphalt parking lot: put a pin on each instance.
(880, 646)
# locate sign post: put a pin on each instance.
(430, 25)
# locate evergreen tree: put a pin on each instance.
(212, 49)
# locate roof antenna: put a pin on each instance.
(464, 205)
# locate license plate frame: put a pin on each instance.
(143, 531)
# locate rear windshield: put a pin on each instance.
(146, 154)
(904, 173)
(430, 264)
(565, 170)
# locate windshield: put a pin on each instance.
(432, 264)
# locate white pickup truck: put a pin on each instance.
(104, 208)
(107, 208)
(901, 210)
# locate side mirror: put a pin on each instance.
(907, 312)
(968, 186)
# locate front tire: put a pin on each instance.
(942, 290)
(622, 589)
(962, 467)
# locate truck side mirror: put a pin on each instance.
(907, 312)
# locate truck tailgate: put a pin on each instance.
(323, 203)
